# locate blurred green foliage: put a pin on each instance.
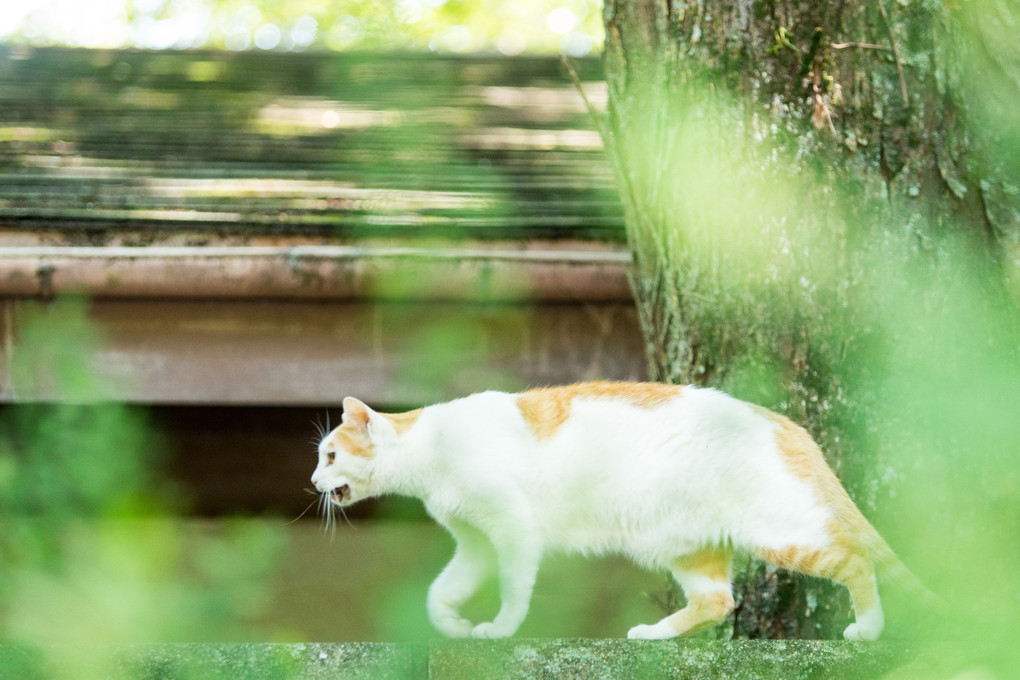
(89, 550)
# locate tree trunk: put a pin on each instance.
(770, 157)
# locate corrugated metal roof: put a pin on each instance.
(189, 148)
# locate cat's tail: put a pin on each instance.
(891, 570)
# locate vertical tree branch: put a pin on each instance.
(896, 53)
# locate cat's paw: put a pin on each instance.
(453, 625)
(656, 631)
(857, 631)
(449, 622)
(490, 630)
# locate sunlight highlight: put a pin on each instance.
(573, 28)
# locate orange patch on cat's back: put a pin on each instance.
(545, 409)
(805, 460)
(800, 452)
(402, 422)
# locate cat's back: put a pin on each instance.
(649, 439)
(612, 424)
(484, 424)
(635, 415)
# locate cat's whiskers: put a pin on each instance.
(325, 513)
(319, 433)
(320, 430)
(329, 511)
(326, 510)
(305, 511)
(346, 519)
(326, 506)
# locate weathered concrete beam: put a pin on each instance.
(477, 660)
(314, 272)
(314, 353)
(305, 325)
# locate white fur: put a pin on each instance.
(868, 625)
(653, 484)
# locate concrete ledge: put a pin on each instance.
(457, 660)
(307, 353)
(496, 273)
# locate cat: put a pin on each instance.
(676, 478)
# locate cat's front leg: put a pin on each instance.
(455, 585)
(518, 553)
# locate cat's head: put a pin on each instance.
(347, 455)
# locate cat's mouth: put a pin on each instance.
(340, 494)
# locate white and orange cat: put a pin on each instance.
(676, 478)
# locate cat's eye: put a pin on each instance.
(330, 457)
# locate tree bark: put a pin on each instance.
(768, 154)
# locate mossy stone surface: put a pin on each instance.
(571, 659)
(616, 658)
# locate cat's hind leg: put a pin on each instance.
(846, 562)
(705, 579)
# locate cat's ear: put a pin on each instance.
(356, 412)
